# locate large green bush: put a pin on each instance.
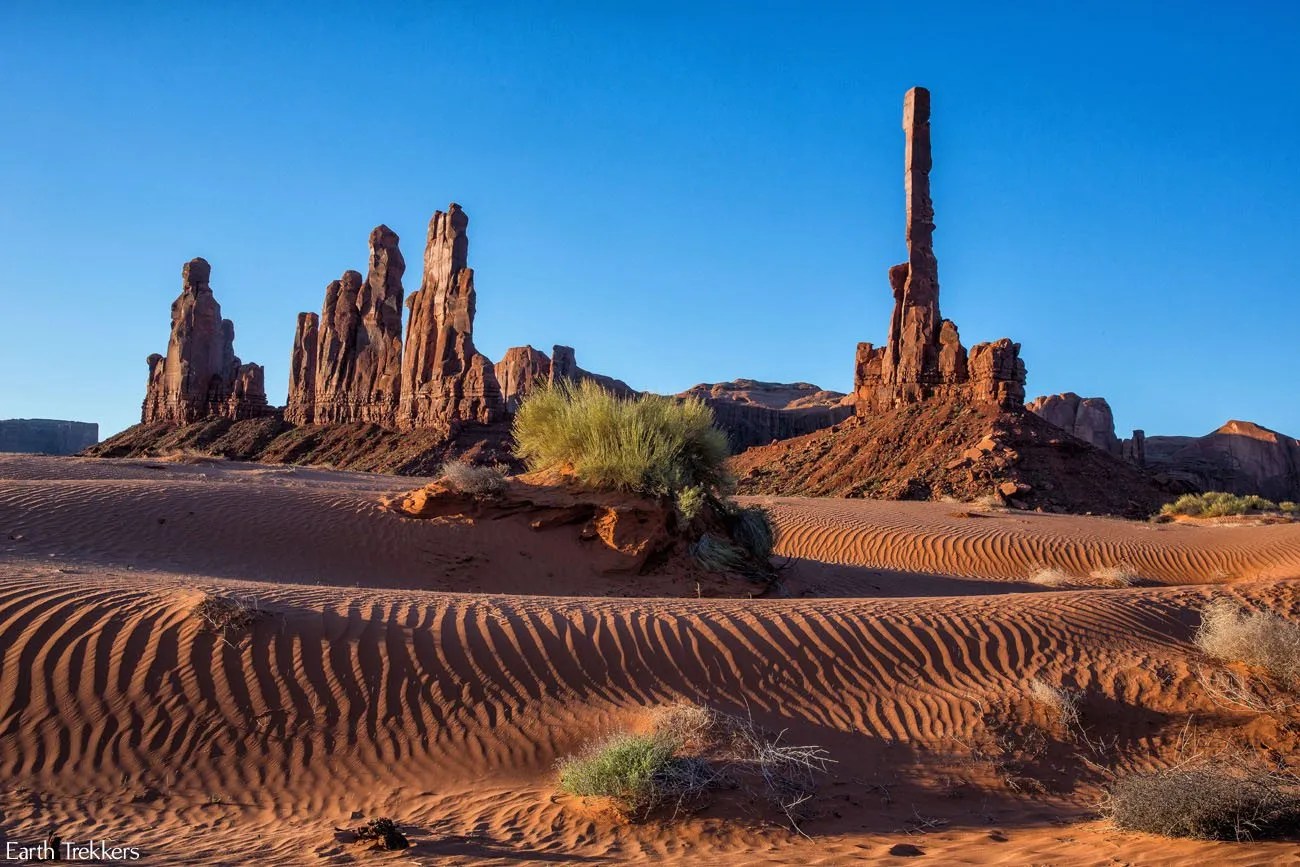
(1217, 504)
(650, 444)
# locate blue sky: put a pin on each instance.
(683, 192)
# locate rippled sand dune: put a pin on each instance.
(365, 688)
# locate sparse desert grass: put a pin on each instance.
(1215, 799)
(1062, 702)
(1120, 575)
(477, 480)
(1216, 504)
(717, 555)
(1048, 576)
(988, 502)
(639, 773)
(751, 528)
(690, 750)
(1230, 632)
(652, 444)
(227, 616)
(1287, 507)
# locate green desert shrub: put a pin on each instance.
(691, 501)
(649, 444)
(1289, 507)
(1217, 504)
(1214, 800)
(1233, 633)
(751, 529)
(718, 555)
(637, 772)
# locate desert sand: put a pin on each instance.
(434, 671)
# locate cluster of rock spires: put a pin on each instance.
(924, 357)
(201, 377)
(350, 363)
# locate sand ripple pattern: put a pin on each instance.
(936, 538)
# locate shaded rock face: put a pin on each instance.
(523, 368)
(923, 357)
(47, 436)
(1088, 418)
(445, 378)
(518, 371)
(756, 413)
(346, 365)
(301, 408)
(1241, 457)
(201, 376)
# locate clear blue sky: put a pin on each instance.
(684, 192)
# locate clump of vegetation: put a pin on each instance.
(717, 555)
(692, 501)
(227, 616)
(477, 480)
(1216, 504)
(654, 446)
(1233, 633)
(1288, 508)
(383, 832)
(1048, 576)
(690, 750)
(1210, 800)
(1121, 575)
(639, 773)
(650, 444)
(1062, 702)
(751, 528)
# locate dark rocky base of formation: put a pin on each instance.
(938, 449)
(356, 446)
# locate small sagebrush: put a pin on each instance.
(651, 444)
(227, 615)
(1048, 576)
(637, 772)
(1217, 504)
(1233, 633)
(1214, 800)
(751, 529)
(692, 501)
(1062, 702)
(1121, 575)
(477, 480)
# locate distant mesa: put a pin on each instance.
(755, 413)
(47, 436)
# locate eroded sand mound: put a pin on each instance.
(123, 717)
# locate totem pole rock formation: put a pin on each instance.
(924, 357)
(346, 366)
(444, 378)
(301, 408)
(201, 377)
(1088, 418)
